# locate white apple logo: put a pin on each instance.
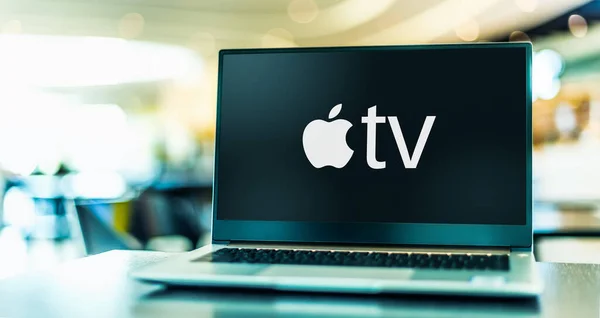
(325, 142)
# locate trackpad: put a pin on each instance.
(228, 269)
(337, 272)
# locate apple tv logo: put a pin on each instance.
(325, 142)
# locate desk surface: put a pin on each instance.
(98, 286)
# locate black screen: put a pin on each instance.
(472, 168)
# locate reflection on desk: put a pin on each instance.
(223, 303)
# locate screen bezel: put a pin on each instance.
(515, 236)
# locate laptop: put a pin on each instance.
(382, 169)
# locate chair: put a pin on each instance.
(98, 236)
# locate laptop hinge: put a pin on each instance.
(521, 249)
(460, 249)
(225, 242)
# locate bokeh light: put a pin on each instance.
(468, 31)
(552, 59)
(546, 69)
(578, 25)
(131, 25)
(519, 36)
(303, 11)
(565, 118)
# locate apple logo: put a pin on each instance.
(325, 142)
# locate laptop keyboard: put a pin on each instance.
(367, 259)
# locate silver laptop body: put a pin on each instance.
(415, 201)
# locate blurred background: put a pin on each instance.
(107, 111)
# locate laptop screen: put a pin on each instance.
(416, 135)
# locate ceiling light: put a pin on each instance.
(63, 61)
